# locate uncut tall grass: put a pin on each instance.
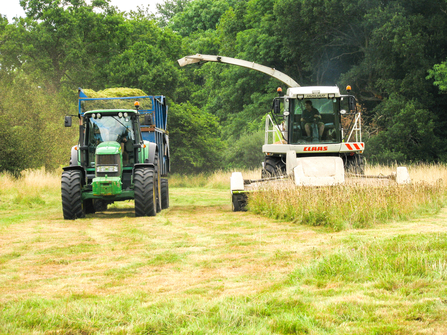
(355, 206)
(31, 186)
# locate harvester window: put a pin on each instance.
(324, 127)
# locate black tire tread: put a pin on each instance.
(145, 198)
(164, 193)
(273, 167)
(71, 185)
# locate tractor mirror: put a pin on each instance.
(68, 121)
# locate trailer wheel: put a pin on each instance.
(71, 185)
(145, 197)
(164, 193)
(273, 167)
(157, 184)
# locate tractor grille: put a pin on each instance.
(108, 165)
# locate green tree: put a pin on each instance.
(194, 139)
(408, 133)
(439, 74)
(32, 129)
(246, 152)
(169, 8)
(199, 15)
(149, 63)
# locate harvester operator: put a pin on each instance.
(311, 114)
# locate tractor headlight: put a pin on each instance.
(107, 168)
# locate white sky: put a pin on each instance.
(11, 8)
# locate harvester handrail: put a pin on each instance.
(357, 127)
(269, 121)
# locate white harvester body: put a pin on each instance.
(312, 153)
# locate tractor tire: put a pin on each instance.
(71, 186)
(145, 196)
(164, 194)
(273, 167)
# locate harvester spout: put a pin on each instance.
(239, 62)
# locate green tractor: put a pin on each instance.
(122, 154)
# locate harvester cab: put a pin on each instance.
(313, 121)
(121, 155)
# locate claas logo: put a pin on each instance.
(315, 148)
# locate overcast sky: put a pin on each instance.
(11, 8)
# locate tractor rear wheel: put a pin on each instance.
(71, 185)
(164, 193)
(145, 197)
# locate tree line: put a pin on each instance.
(392, 52)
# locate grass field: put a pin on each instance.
(199, 268)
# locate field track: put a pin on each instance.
(197, 265)
(186, 248)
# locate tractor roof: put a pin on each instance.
(111, 111)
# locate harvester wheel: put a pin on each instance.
(164, 193)
(239, 202)
(355, 164)
(273, 167)
(145, 197)
(71, 185)
(235, 203)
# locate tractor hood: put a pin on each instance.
(108, 148)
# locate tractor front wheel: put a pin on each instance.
(71, 185)
(145, 197)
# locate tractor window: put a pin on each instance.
(306, 128)
(110, 128)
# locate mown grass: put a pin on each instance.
(199, 268)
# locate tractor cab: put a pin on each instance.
(107, 130)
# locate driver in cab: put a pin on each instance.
(311, 115)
